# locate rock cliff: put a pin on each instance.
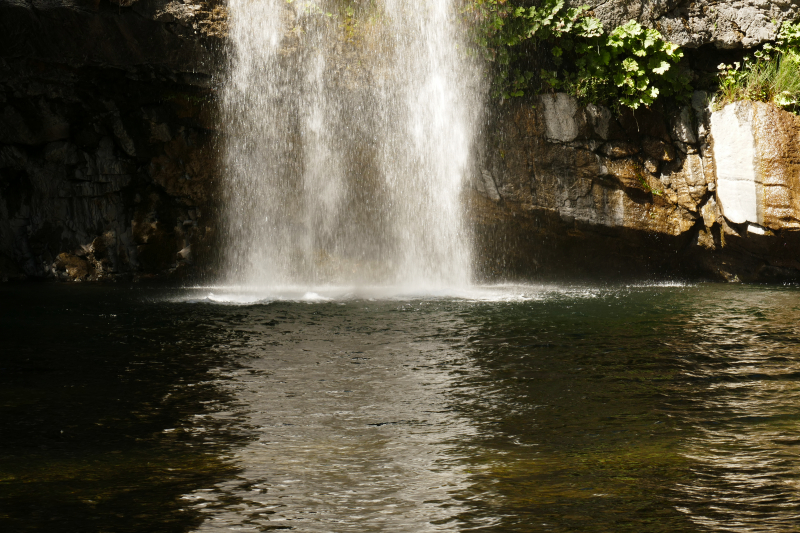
(651, 192)
(107, 154)
(570, 191)
(109, 160)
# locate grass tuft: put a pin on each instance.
(772, 74)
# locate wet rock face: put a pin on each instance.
(589, 166)
(730, 212)
(124, 189)
(692, 23)
(107, 161)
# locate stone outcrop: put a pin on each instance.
(588, 182)
(758, 169)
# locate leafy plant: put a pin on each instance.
(631, 66)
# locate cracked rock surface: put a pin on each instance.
(693, 23)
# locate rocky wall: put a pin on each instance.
(109, 159)
(107, 142)
(656, 192)
(758, 166)
(565, 191)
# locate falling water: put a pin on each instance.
(348, 131)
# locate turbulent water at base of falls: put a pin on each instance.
(348, 128)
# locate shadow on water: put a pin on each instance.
(104, 410)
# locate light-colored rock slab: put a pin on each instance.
(600, 118)
(758, 172)
(682, 127)
(735, 157)
(561, 117)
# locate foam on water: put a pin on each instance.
(500, 293)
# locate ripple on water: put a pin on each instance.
(510, 408)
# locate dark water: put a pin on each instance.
(626, 409)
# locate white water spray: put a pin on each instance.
(348, 132)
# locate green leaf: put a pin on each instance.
(662, 68)
(615, 41)
(632, 28)
(673, 50)
(630, 65)
(589, 27)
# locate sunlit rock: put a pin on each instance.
(683, 129)
(729, 24)
(758, 175)
(735, 156)
(619, 149)
(777, 140)
(688, 179)
(600, 118)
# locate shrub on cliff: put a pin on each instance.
(771, 74)
(630, 66)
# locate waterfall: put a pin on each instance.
(348, 127)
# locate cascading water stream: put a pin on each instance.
(348, 134)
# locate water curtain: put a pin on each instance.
(348, 130)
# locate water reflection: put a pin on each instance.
(745, 451)
(352, 430)
(659, 409)
(573, 434)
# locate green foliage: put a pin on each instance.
(771, 74)
(631, 66)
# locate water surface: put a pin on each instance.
(515, 408)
